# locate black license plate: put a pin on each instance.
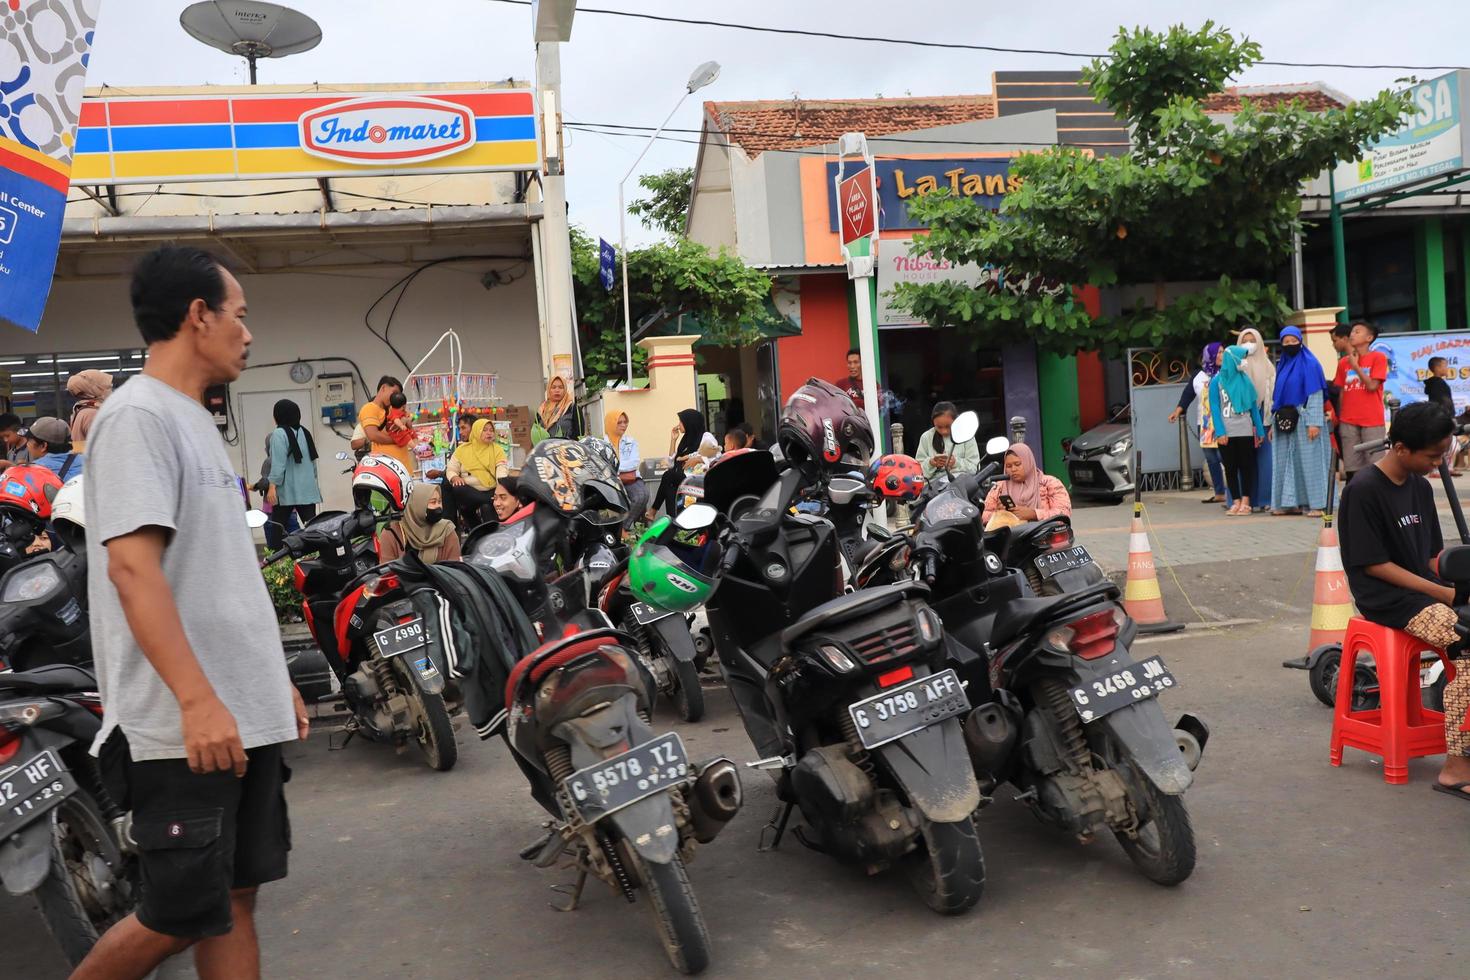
(1060, 561)
(1121, 688)
(401, 638)
(1082, 474)
(645, 614)
(625, 779)
(32, 788)
(907, 708)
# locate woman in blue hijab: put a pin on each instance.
(1300, 449)
(1235, 408)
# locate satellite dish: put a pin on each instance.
(251, 30)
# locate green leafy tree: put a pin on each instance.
(667, 207)
(1193, 200)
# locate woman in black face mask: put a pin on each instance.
(423, 528)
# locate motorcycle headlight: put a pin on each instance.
(29, 583)
(1121, 446)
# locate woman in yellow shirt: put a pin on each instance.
(473, 470)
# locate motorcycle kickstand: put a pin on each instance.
(348, 730)
(777, 823)
(574, 890)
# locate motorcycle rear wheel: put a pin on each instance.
(688, 694)
(948, 868)
(435, 733)
(1164, 847)
(75, 911)
(676, 912)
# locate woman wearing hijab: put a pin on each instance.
(615, 424)
(1262, 372)
(423, 528)
(291, 484)
(473, 470)
(89, 388)
(1235, 410)
(684, 443)
(1298, 447)
(556, 414)
(1026, 493)
(1209, 366)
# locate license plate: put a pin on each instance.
(401, 638)
(1121, 688)
(907, 708)
(625, 779)
(1060, 561)
(1081, 474)
(645, 614)
(32, 788)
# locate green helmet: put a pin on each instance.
(672, 568)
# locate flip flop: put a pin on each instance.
(1458, 790)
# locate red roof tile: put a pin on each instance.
(1317, 98)
(792, 123)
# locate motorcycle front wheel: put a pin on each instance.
(435, 733)
(676, 912)
(948, 867)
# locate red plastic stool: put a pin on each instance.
(1400, 728)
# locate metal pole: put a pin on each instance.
(1339, 251)
(623, 234)
(1298, 287)
(250, 59)
(1186, 469)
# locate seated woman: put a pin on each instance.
(473, 470)
(423, 528)
(1031, 495)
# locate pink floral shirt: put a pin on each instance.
(1055, 501)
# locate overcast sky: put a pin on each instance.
(621, 70)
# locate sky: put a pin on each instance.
(621, 70)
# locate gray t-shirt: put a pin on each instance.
(155, 458)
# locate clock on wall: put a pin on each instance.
(301, 372)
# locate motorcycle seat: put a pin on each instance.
(1020, 615)
(555, 653)
(50, 679)
(850, 606)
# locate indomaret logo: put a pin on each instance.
(378, 131)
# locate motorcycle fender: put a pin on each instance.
(674, 634)
(648, 825)
(933, 768)
(1148, 742)
(25, 857)
(649, 828)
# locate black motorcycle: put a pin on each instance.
(846, 697)
(627, 805)
(43, 611)
(1072, 719)
(62, 838)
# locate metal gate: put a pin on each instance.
(1156, 378)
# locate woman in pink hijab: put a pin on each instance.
(88, 388)
(1026, 492)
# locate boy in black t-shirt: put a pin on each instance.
(1390, 532)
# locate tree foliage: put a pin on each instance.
(667, 206)
(667, 279)
(1193, 199)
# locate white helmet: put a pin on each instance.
(69, 512)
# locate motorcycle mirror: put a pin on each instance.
(256, 518)
(997, 446)
(696, 516)
(963, 429)
(343, 454)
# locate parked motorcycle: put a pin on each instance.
(627, 804)
(62, 838)
(43, 596)
(846, 697)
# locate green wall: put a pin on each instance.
(1056, 378)
(1429, 278)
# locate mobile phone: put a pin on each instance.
(1007, 502)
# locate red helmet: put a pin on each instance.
(29, 489)
(383, 475)
(820, 424)
(897, 476)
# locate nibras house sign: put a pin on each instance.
(377, 131)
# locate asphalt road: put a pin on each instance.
(1303, 871)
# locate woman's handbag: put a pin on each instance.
(1287, 417)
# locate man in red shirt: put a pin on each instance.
(852, 384)
(1360, 377)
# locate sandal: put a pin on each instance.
(1459, 790)
(1311, 513)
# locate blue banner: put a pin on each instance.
(986, 179)
(1408, 363)
(40, 99)
(607, 257)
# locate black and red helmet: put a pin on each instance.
(897, 477)
(820, 425)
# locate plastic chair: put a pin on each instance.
(1400, 728)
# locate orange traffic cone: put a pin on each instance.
(1332, 603)
(1141, 597)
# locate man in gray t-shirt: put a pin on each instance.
(196, 697)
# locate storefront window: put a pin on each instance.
(35, 385)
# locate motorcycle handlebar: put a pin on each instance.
(1371, 445)
(274, 557)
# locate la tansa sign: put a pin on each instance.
(986, 179)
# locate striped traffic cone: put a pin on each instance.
(1141, 597)
(1332, 603)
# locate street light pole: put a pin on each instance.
(702, 76)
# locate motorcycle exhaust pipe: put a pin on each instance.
(715, 799)
(990, 735)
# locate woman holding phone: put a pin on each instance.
(1026, 493)
(938, 453)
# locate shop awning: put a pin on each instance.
(661, 324)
